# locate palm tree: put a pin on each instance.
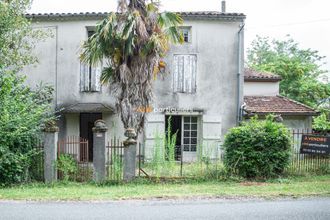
(132, 44)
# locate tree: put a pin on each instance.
(132, 43)
(17, 37)
(299, 68)
(23, 111)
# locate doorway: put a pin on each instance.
(175, 121)
(86, 129)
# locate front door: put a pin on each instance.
(86, 125)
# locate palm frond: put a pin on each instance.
(169, 19)
(107, 74)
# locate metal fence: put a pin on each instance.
(114, 160)
(203, 165)
(211, 166)
(306, 163)
(36, 169)
(182, 166)
(78, 149)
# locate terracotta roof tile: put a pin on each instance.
(253, 75)
(276, 104)
(196, 14)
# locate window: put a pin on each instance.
(185, 68)
(90, 76)
(190, 133)
(186, 31)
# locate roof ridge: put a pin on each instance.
(253, 74)
(202, 14)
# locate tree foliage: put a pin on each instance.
(299, 68)
(22, 111)
(322, 123)
(17, 37)
(132, 43)
(258, 148)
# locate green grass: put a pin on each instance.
(173, 169)
(142, 189)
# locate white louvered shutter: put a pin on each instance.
(178, 73)
(185, 69)
(189, 74)
(84, 77)
(96, 79)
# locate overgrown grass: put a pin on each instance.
(143, 189)
(201, 170)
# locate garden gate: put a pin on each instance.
(114, 160)
(77, 148)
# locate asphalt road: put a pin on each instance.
(311, 208)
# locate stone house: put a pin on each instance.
(262, 97)
(203, 93)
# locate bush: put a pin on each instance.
(67, 165)
(257, 149)
(23, 112)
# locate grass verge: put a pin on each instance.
(141, 189)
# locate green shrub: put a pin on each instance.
(67, 165)
(23, 112)
(257, 149)
(11, 167)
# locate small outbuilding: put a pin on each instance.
(261, 97)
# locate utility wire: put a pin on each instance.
(292, 24)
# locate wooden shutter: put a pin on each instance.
(190, 73)
(95, 79)
(178, 73)
(185, 69)
(84, 77)
(154, 126)
(211, 134)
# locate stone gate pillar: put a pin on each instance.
(99, 145)
(50, 152)
(130, 155)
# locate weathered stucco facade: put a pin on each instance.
(216, 45)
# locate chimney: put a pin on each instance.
(223, 6)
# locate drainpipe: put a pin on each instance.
(239, 73)
(56, 69)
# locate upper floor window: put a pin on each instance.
(90, 76)
(186, 31)
(184, 73)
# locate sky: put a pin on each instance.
(306, 21)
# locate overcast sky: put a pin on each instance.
(307, 21)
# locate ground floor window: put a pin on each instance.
(190, 133)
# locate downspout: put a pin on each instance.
(56, 68)
(239, 73)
